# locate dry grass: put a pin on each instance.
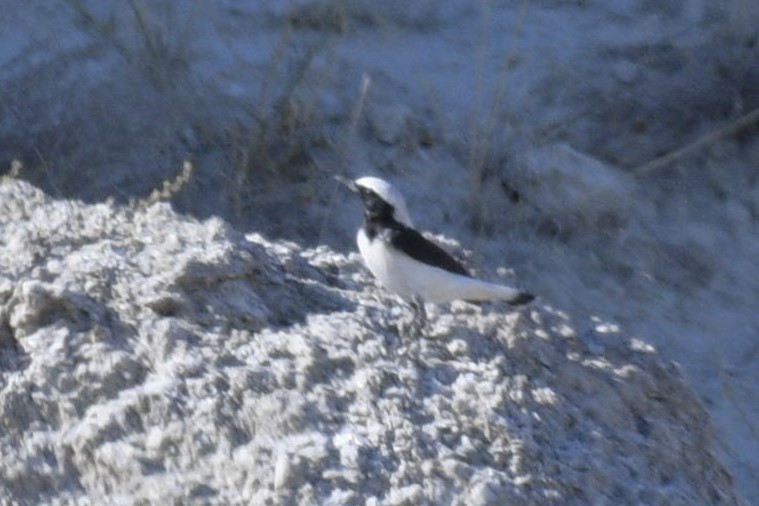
(169, 189)
(15, 170)
(161, 51)
(735, 126)
(484, 122)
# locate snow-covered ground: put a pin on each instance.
(521, 128)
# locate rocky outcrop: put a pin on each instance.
(151, 358)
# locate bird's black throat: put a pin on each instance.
(376, 209)
(376, 225)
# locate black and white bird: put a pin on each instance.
(408, 264)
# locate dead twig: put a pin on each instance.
(664, 160)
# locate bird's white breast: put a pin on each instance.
(383, 262)
(408, 277)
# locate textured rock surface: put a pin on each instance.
(148, 358)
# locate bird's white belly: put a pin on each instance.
(384, 265)
(405, 276)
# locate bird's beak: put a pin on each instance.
(347, 183)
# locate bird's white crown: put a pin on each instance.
(389, 194)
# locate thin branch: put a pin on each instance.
(663, 161)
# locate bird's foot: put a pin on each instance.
(418, 323)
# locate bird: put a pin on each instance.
(408, 264)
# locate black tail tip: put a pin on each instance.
(522, 298)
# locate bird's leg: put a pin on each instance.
(411, 331)
(420, 313)
(418, 317)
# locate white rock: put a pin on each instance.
(258, 381)
(568, 185)
(284, 472)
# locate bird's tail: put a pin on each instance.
(479, 291)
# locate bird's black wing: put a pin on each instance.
(417, 247)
